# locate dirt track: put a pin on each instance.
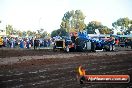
(47, 69)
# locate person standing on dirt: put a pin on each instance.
(12, 42)
(126, 43)
(131, 43)
(36, 43)
(1, 42)
(22, 43)
(27, 43)
(117, 42)
(9, 42)
(31, 42)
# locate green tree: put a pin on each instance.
(41, 33)
(24, 33)
(60, 32)
(44, 34)
(30, 33)
(129, 29)
(105, 30)
(34, 33)
(9, 29)
(19, 33)
(122, 24)
(92, 26)
(54, 33)
(118, 33)
(14, 32)
(73, 21)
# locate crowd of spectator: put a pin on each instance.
(10, 42)
(28, 43)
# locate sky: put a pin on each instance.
(47, 14)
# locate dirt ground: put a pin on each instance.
(48, 69)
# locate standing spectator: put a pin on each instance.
(48, 42)
(24, 42)
(16, 42)
(31, 42)
(36, 43)
(117, 42)
(45, 43)
(21, 44)
(8, 42)
(5, 42)
(126, 43)
(12, 42)
(27, 43)
(1, 42)
(131, 43)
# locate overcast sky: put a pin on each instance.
(47, 14)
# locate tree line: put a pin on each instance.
(39, 34)
(73, 21)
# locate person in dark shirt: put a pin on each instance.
(73, 38)
(130, 43)
(126, 43)
(36, 43)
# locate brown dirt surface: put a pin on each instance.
(48, 69)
